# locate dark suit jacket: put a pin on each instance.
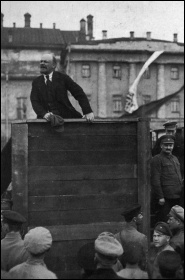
(61, 83)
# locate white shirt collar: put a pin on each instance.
(50, 77)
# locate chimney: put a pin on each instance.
(41, 25)
(54, 25)
(148, 35)
(82, 36)
(131, 35)
(175, 37)
(2, 16)
(27, 20)
(90, 26)
(104, 34)
(14, 25)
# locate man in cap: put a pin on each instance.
(129, 233)
(13, 251)
(107, 251)
(176, 224)
(161, 239)
(166, 179)
(37, 241)
(170, 129)
(49, 93)
(178, 151)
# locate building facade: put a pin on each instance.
(107, 68)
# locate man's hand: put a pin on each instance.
(161, 201)
(47, 116)
(89, 117)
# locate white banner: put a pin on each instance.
(131, 98)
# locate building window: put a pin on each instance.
(86, 71)
(174, 73)
(117, 71)
(146, 74)
(21, 108)
(117, 104)
(146, 99)
(175, 105)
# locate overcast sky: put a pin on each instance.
(162, 18)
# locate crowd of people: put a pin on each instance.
(127, 254)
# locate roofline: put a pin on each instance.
(124, 51)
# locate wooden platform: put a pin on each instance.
(77, 183)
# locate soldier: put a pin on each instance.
(13, 251)
(166, 180)
(129, 233)
(178, 151)
(170, 129)
(176, 224)
(161, 239)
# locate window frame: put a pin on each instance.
(117, 103)
(83, 71)
(119, 70)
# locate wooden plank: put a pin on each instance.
(45, 129)
(73, 217)
(72, 158)
(82, 172)
(82, 231)
(20, 168)
(69, 202)
(144, 157)
(83, 142)
(121, 186)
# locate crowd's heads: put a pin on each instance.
(86, 258)
(162, 234)
(38, 240)
(12, 221)
(170, 127)
(169, 262)
(107, 249)
(133, 212)
(176, 217)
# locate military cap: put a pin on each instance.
(38, 240)
(167, 139)
(132, 211)
(177, 212)
(168, 261)
(85, 256)
(163, 228)
(13, 217)
(107, 245)
(170, 125)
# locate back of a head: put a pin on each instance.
(133, 252)
(85, 257)
(169, 262)
(38, 240)
(131, 212)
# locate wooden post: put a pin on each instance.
(20, 168)
(144, 155)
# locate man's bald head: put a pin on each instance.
(47, 63)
